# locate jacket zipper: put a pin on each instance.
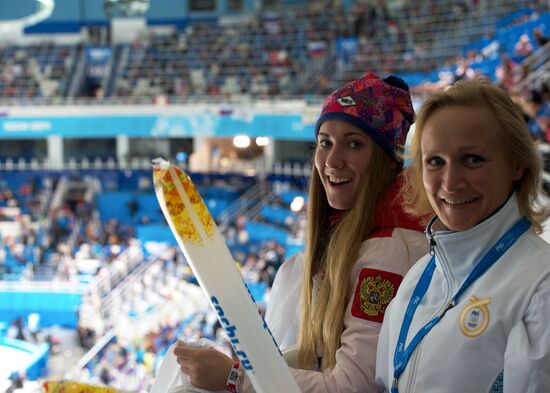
(413, 365)
(432, 242)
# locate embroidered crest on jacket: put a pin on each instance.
(375, 289)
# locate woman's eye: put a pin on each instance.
(355, 144)
(324, 143)
(474, 159)
(434, 161)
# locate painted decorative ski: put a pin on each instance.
(207, 254)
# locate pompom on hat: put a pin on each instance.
(380, 107)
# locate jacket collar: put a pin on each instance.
(459, 252)
(390, 214)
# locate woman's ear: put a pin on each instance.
(518, 172)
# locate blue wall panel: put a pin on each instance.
(53, 308)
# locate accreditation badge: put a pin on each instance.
(374, 291)
(475, 317)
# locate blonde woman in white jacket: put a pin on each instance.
(473, 315)
(329, 302)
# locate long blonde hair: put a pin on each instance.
(515, 136)
(335, 249)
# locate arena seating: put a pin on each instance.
(280, 53)
(37, 71)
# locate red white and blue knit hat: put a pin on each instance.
(380, 107)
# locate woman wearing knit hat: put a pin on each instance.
(327, 304)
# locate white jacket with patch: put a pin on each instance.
(384, 258)
(500, 324)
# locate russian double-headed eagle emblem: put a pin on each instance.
(376, 293)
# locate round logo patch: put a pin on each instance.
(475, 317)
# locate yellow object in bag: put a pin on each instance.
(74, 387)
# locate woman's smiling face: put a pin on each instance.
(466, 171)
(342, 157)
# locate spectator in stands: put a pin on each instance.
(327, 304)
(86, 337)
(477, 306)
(463, 70)
(18, 330)
(507, 73)
(17, 381)
(62, 223)
(539, 119)
(523, 47)
(540, 37)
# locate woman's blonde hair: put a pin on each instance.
(514, 134)
(335, 250)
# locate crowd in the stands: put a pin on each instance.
(308, 50)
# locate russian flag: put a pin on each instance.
(317, 48)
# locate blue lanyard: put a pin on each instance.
(403, 353)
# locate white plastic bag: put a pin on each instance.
(170, 378)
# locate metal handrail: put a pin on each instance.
(243, 202)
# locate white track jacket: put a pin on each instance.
(500, 324)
